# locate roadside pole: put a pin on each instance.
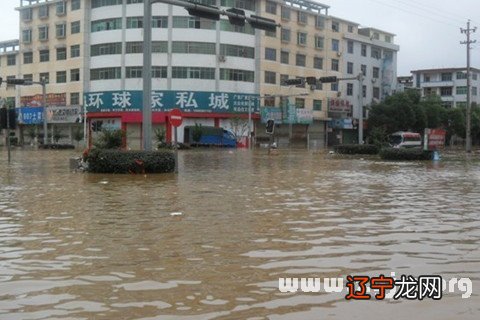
(8, 134)
(176, 149)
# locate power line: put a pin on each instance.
(414, 13)
(429, 9)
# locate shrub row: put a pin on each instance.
(405, 154)
(118, 161)
(356, 149)
(56, 146)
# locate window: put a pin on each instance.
(74, 98)
(300, 103)
(319, 42)
(474, 91)
(60, 8)
(134, 72)
(134, 22)
(11, 60)
(461, 75)
(28, 77)
(445, 91)
(283, 79)
(446, 76)
(241, 4)
(193, 73)
(302, 17)
(61, 53)
(105, 73)
(334, 86)
(364, 50)
(61, 76)
(285, 35)
(27, 57)
(44, 76)
(376, 36)
(60, 30)
(193, 47)
(302, 85)
(272, 34)
(271, 7)
(237, 75)
(388, 38)
(350, 67)
(302, 38)
(158, 46)
(107, 24)
(335, 26)
(103, 3)
(335, 45)
(237, 51)
(270, 77)
(75, 75)
(317, 105)
(350, 46)
(75, 27)
(300, 60)
(10, 78)
(426, 78)
(285, 13)
(363, 68)
(226, 26)
(27, 36)
(44, 55)
(270, 54)
(376, 53)
(376, 72)
(43, 11)
(319, 22)
(26, 14)
(269, 102)
(284, 57)
(364, 91)
(43, 33)
(318, 63)
(197, 23)
(75, 5)
(75, 51)
(335, 65)
(159, 72)
(132, 47)
(461, 90)
(474, 76)
(350, 28)
(162, 22)
(106, 49)
(137, 72)
(137, 47)
(376, 92)
(349, 89)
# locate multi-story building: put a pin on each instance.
(404, 83)
(449, 83)
(91, 54)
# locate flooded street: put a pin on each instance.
(212, 241)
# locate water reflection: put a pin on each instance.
(83, 246)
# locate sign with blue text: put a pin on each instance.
(30, 115)
(186, 101)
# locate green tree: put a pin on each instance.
(197, 133)
(110, 139)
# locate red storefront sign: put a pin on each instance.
(436, 138)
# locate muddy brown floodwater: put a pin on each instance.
(212, 242)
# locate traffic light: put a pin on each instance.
(203, 11)
(312, 81)
(8, 118)
(15, 81)
(237, 18)
(328, 79)
(270, 127)
(294, 82)
(262, 23)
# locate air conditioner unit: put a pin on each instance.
(221, 58)
(313, 87)
(339, 54)
(339, 94)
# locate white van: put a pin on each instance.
(404, 139)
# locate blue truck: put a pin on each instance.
(211, 136)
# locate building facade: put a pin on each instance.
(450, 84)
(91, 53)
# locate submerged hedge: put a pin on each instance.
(356, 149)
(117, 161)
(411, 154)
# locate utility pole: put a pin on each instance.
(468, 31)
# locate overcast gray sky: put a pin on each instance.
(428, 31)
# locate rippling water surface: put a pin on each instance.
(213, 241)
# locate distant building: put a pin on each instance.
(90, 52)
(450, 84)
(404, 83)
